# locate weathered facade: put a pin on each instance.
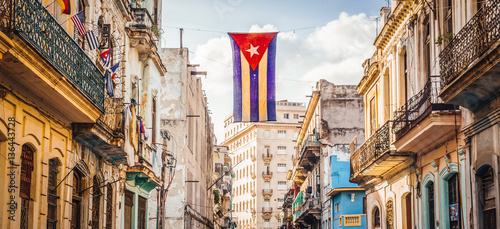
(429, 160)
(222, 181)
(261, 155)
(185, 117)
(333, 118)
(85, 156)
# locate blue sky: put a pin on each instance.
(340, 39)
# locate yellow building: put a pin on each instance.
(413, 161)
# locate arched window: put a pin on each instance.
(96, 202)
(27, 167)
(376, 218)
(109, 207)
(487, 196)
(52, 196)
(430, 206)
(77, 200)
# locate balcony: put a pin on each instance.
(267, 157)
(309, 152)
(267, 175)
(470, 62)
(351, 220)
(252, 174)
(105, 137)
(267, 212)
(253, 193)
(253, 158)
(424, 121)
(375, 157)
(267, 193)
(310, 212)
(43, 62)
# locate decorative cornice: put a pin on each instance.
(393, 22)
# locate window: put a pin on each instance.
(280, 202)
(337, 207)
(267, 134)
(453, 202)
(295, 134)
(281, 185)
(376, 218)
(281, 167)
(77, 200)
(27, 166)
(96, 203)
(266, 223)
(129, 204)
(153, 131)
(52, 196)
(430, 191)
(109, 207)
(286, 116)
(281, 133)
(427, 47)
(295, 116)
(373, 116)
(487, 198)
(141, 218)
(281, 149)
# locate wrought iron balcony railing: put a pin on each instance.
(472, 41)
(419, 106)
(311, 203)
(372, 148)
(143, 21)
(267, 209)
(34, 24)
(311, 140)
(267, 190)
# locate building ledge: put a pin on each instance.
(336, 191)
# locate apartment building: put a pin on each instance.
(261, 155)
(430, 94)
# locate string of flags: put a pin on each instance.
(92, 38)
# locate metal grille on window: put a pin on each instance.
(96, 203)
(488, 199)
(52, 194)
(25, 186)
(109, 207)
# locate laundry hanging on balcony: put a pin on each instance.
(254, 57)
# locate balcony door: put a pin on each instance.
(487, 198)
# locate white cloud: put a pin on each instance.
(333, 52)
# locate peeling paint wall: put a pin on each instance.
(184, 115)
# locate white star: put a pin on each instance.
(253, 50)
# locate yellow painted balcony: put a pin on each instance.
(267, 193)
(470, 62)
(375, 157)
(424, 121)
(267, 157)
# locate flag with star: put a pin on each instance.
(254, 84)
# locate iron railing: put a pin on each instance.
(372, 148)
(472, 41)
(418, 104)
(34, 24)
(267, 190)
(311, 203)
(267, 209)
(311, 140)
(143, 21)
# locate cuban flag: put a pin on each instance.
(254, 84)
(113, 69)
(105, 58)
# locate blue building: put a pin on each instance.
(348, 200)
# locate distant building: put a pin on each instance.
(347, 199)
(261, 155)
(334, 117)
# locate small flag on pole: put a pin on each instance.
(65, 6)
(113, 69)
(105, 58)
(92, 38)
(79, 22)
(109, 84)
(254, 61)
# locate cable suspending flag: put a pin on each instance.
(254, 84)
